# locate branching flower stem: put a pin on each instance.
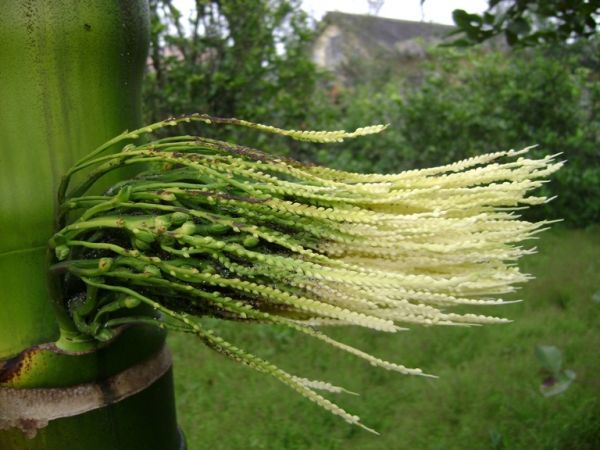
(213, 229)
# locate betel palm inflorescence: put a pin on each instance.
(213, 229)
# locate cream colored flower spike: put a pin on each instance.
(214, 229)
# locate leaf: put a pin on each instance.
(596, 297)
(519, 26)
(511, 37)
(557, 385)
(489, 18)
(590, 22)
(461, 18)
(550, 357)
(496, 440)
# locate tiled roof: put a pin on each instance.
(383, 32)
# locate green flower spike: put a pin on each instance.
(213, 229)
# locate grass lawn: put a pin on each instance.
(487, 396)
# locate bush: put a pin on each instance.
(253, 63)
(474, 102)
(233, 59)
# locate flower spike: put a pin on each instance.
(213, 229)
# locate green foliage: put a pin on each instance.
(556, 379)
(477, 101)
(250, 59)
(527, 98)
(233, 59)
(348, 108)
(529, 22)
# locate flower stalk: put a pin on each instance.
(213, 229)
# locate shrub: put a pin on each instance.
(473, 102)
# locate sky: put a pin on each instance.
(438, 11)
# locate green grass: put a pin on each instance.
(487, 396)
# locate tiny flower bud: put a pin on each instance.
(188, 228)
(104, 264)
(140, 245)
(152, 271)
(179, 217)
(62, 252)
(131, 302)
(250, 241)
(162, 223)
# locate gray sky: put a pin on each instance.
(438, 11)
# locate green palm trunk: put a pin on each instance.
(70, 78)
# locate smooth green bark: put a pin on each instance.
(70, 79)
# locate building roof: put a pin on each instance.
(374, 31)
